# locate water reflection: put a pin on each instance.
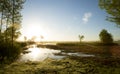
(39, 54)
(78, 54)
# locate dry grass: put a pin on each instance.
(115, 51)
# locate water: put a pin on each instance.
(78, 54)
(40, 54)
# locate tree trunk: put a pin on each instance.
(1, 23)
(13, 13)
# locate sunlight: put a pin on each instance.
(34, 30)
(39, 54)
(35, 52)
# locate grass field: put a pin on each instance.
(70, 65)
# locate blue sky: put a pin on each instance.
(64, 20)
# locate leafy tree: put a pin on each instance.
(10, 19)
(81, 37)
(16, 16)
(9, 33)
(105, 37)
(112, 7)
(10, 14)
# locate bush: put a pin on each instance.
(9, 53)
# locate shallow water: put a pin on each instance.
(40, 54)
(78, 54)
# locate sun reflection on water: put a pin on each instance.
(39, 54)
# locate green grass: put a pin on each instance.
(70, 65)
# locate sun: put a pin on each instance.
(34, 27)
(34, 31)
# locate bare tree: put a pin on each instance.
(81, 37)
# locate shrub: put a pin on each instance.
(9, 53)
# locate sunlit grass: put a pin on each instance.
(68, 65)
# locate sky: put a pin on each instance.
(64, 20)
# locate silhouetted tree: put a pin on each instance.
(81, 37)
(10, 19)
(5, 8)
(9, 33)
(10, 14)
(112, 7)
(105, 37)
(16, 16)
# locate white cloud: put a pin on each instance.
(86, 17)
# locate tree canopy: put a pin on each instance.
(81, 37)
(105, 37)
(10, 18)
(112, 7)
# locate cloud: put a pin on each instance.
(86, 17)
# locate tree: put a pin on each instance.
(81, 37)
(105, 37)
(112, 7)
(16, 16)
(9, 33)
(10, 14)
(10, 19)
(2, 9)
